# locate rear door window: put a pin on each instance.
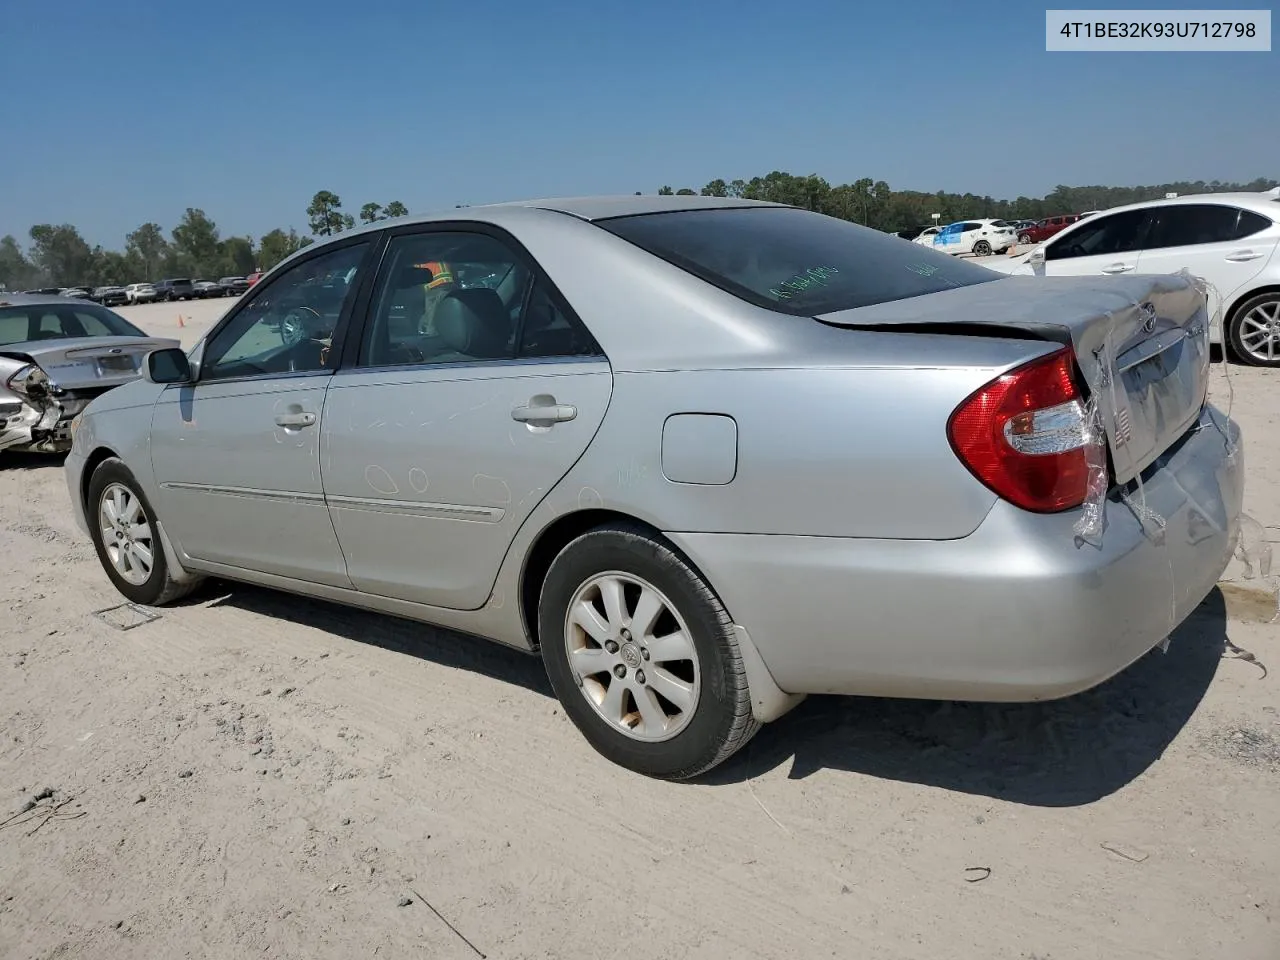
(795, 261)
(1187, 225)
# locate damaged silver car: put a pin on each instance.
(57, 354)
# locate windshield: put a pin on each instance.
(795, 261)
(59, 321)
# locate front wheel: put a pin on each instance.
(123, 527)
(1025, 239)
(643, 655)
(1254, 331)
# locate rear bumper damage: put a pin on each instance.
(1022, 609)
(39, 424)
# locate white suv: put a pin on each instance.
(140, 292)
(982, 238)
(1229, 239)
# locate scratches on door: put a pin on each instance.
(419, 480)
(490, 489)
(379, 480)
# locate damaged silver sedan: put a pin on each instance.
(57, 354)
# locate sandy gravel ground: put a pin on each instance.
(258, 775)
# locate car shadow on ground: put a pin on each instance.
(9, 460)
(421, 640)
(1056, 754)
(1062, 753)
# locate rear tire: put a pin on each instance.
(1254, 329)
(982, 249)
(127, 539)
(687, 647)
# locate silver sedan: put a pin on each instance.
(703, 456)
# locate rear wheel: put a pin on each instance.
(1254, 331)
(642, 655)
(982, 249)
(123, 527)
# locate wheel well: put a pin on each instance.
(91, 464)
(1229, 316)
(1242, 300)
(548, 545)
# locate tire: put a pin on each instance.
(156, 587)
(982, 249)
(1250, 346)
(718, 721)
(1025, 238)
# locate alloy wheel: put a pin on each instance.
(632, 656)
(127, 536)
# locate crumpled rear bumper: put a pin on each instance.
(38, 426)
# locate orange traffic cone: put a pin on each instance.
(181, 322)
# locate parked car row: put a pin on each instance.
(179, 288)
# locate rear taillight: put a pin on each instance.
(1025, 435)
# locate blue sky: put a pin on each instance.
(118, 113)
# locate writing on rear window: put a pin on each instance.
(813, 277)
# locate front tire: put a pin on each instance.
(1253, 334)
(123, 527)
(642, 655)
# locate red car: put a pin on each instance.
(254, 277)
(1046, 228)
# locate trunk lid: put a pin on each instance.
(1142, 343)
(77, 363)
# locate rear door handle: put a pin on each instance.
(1117, 268)
(544, 413)
(295, 419)
(1242, 256)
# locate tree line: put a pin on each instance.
(58, 255)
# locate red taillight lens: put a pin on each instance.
(1024, 435)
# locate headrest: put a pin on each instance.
(474, 322)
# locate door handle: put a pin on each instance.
(544, 413)
(1117, 268)
(1242, 256)
(295, 419)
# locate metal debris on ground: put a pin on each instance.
(981, 874)
(126, 616)
(457, 932)
(1129, 853)
(42, 808)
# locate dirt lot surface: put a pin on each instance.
(255, 774)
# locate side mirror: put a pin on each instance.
(1036, 256)
(167, 366)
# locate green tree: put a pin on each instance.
(666, 192)
(686, 192)
(395, 209)
(195, 239)
(147, 249)
(276, 245)
(237, 257)
(716, 188)
(326, 216)
(61, 253)
(370, 212)
(16, 271)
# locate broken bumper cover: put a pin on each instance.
(1019, 610)
(39, 426)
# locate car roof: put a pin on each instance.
(1266, 203)
(39, 299)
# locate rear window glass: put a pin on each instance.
(58, 322)
(795, 261)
